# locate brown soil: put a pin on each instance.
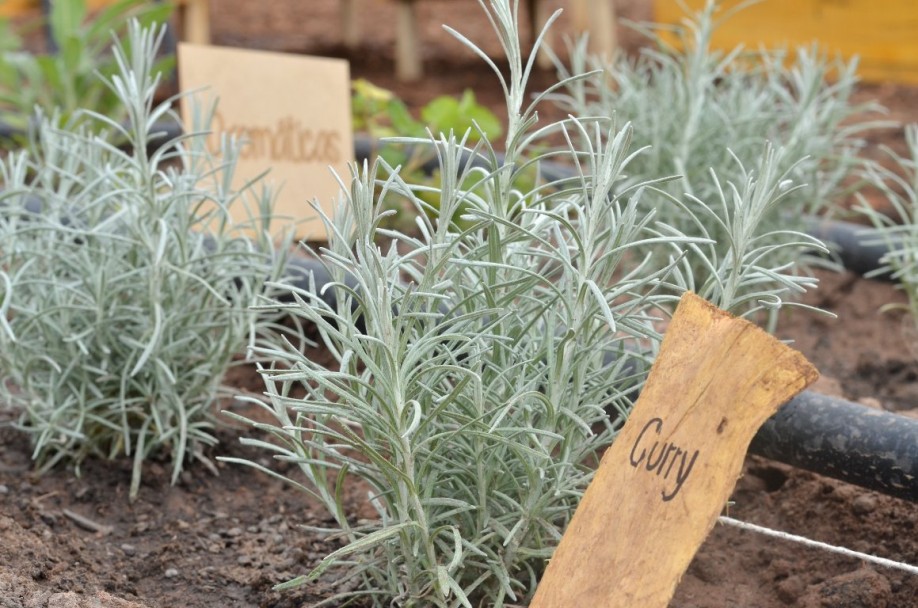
(224, 541)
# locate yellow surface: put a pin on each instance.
(883, 34)
(15, 8)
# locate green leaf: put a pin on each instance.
(66, 18)
(8, 38)
(367, 542)
(446, 113)
(402, 121)
(442, 114)
(114, 19)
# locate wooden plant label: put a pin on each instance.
(660, 487)
(295, 114)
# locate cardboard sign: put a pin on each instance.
(660, 487)
(294, 112)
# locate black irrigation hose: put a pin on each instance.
(873, 449)
(870, 448)
(852, 244)
(365, 147)
(833, 437)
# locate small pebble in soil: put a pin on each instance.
(864, 504)
(233, 532)
(170, 573)
(244, 560)
(128, 549)
(790, 589)
(4, 489)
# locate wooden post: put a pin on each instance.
(408, 66)
(538, 15)
(597, 17)
(350, 27)
(660, 487)
(195, 17)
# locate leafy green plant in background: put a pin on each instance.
(380, 113)
(480, 368)
(698, 109)
(125, 287)
(68, 79)
(385, 118)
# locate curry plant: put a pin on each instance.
(69, 78)
(480, 368)
(897, 181)
(696, 108)
(125, 285)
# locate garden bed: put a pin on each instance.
(225, 540)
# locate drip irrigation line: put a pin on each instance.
(854, 245)
(873, 449)
(833, 437)
(851, 244)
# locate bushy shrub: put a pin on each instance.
(698, 110)
(480, 367)
(125, 286)
(896, 179)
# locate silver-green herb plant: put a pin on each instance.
(480, 367)
(125, 286)
(897, 182)
(698, 109)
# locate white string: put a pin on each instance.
(882, 561)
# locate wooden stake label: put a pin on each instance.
(660, 487)
(295, 114)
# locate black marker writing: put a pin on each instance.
(661, 458)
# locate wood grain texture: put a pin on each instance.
(660, 487)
